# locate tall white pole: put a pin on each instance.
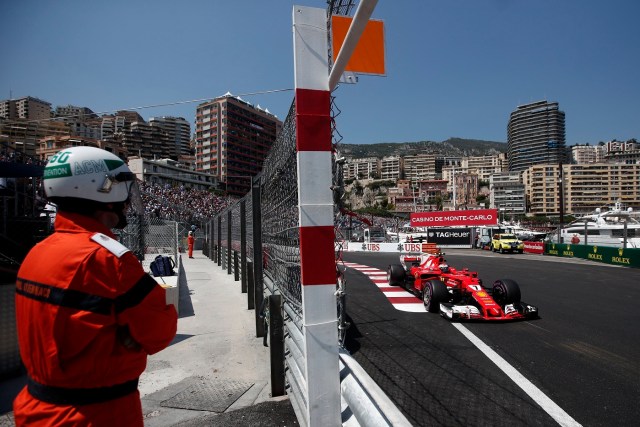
(315, 205)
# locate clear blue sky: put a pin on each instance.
(455, 67)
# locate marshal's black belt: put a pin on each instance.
(79, 396)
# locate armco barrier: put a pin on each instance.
(625, 257)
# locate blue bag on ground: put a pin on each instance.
(162, 266)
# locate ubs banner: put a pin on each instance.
(450, 237)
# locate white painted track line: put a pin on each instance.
(548, 405)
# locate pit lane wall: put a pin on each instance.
(629, 257)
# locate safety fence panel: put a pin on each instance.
(149, 236)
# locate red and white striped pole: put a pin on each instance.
(315, 204)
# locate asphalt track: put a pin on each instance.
(582, 354)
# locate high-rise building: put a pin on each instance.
(178, 132)
(29, 108)
(535, 135)
(232, 140)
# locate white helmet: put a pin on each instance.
(88, 173)
(444, 268)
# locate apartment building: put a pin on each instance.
(535, 135)
(177, 132)
(391, 167)
(24, 135)
(111, 125)
(28, 108)
(74, 113)
(171, 172)
(585, 187)
(448, 168)
(622, 152)
(465, 191)
(485, 166)
(581, 154)
(361, 168)
(232, 140)
(402, 196)
(507, 193)
(420, 167)
(51, 144)
(429, 191)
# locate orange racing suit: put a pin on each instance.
(190, 242)
(87, 317)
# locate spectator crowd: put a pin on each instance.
(180, 203)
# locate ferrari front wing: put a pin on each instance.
(514, 311)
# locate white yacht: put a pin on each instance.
(523, 233)
(604, 228)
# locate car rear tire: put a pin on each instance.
(506, 291)
(433, 294)
(396, 275)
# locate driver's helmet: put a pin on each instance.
(444, 268)
(88, 173)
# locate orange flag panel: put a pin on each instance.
(368, 56)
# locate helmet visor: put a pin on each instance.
(136, 207)
(134, 198)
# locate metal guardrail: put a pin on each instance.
(364, 402)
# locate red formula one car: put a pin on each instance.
(458, 294)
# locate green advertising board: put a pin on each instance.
(629, 257)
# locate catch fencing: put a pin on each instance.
(289, 261)
(257, 240)
(148, 236)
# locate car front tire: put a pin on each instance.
(506, 291)
(433, 294)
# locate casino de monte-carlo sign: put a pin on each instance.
(469, 218)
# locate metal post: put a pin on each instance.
(276, 345)
(236, 267)
(586, 233)
(250, 287)
(561, 191)
(258, 295)
(219, 258)
(229, 249)
(243, 244)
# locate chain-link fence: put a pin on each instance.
(279, 211)
(277, 206)
(148, 237)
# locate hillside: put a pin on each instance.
(449, 147)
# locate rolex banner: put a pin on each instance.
(629, 257)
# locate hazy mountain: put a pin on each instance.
(450, 147)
